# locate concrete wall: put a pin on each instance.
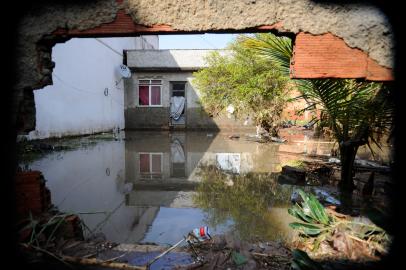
(88, 93)
(158, 117)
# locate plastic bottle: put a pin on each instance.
(201, 233)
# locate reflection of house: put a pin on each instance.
(161, 94)
(159, 166)
(164, 167)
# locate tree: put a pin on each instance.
(358, 112)
(247, 82)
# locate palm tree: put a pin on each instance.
(358, 112)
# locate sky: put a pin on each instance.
(201, 41)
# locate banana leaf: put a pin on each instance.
(299, 214)
(315, 209)
(306, 228)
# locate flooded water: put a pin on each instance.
(157, 187)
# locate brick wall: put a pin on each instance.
(31, 193)
(327, 56)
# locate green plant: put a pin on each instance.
(247, 82)
(313, 217)
(317, 225)
(358, 112)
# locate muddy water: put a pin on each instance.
(156, 187)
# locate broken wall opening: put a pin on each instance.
(129, 18)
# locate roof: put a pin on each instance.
(156, 60)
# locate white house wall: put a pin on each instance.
(84, 97)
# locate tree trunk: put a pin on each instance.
(347, 157)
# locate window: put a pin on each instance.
(178, 89)
(150, 165)
(149, 93)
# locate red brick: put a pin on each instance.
(31, 193)
(122, 25)
(328, 56)
(378, 73)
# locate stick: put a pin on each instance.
(165, 252)
(115, 258)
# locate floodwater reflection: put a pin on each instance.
(157, 186)
(255, 202)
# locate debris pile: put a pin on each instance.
(325, 233)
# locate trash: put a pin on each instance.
(230, 109)
(366, 164)
(279, 140)
(369, 164)
(201, 234)
(238, 258)
(324, 196)
(234, 136)
(334, 160)
(196, 235)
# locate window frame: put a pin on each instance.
(149, 84)
(184, 83)
(150, 174)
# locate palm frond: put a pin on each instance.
(277, 49)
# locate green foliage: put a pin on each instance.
(305, 228)
(317, 225)
(277, 50)
(358, 112)
(250, 83)
(312, 214)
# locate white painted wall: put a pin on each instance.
(76, 103)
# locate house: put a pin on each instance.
(161, 94)
(87, 93)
